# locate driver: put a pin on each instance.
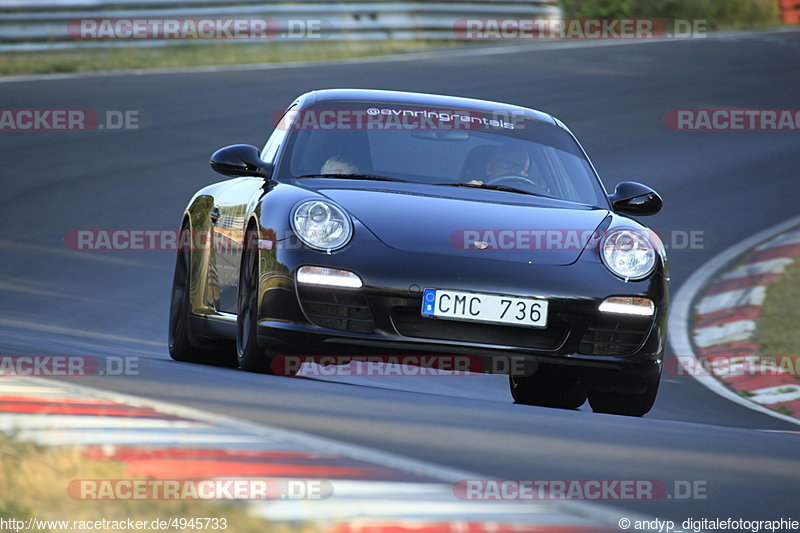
(508, 161)
(505, 161)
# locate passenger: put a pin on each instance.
(339, 164)
(505, 161)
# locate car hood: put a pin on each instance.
(478, 223)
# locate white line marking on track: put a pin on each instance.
(72, 332)
(27, 421)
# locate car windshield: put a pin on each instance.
(437, 146)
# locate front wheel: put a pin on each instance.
(533, 390)
(619, 403)
(251, 357)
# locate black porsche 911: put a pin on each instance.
(393, 222)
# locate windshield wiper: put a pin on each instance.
(503, 188)
(371, 177)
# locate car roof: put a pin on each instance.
(402, 97)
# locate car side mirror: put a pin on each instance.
(240, 160)
(631, 198)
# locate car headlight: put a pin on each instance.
(628, 254)
(321, 225)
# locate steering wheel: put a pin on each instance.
(526, 182)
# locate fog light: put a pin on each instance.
(331, 277)
(628, 305)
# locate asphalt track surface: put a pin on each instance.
(726, 184)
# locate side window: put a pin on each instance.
(276, 139)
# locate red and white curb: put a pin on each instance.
(723, 320)
(370, 489)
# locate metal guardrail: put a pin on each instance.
(44, 24)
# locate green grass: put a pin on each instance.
(197, 55)
(779, 325)
(34, 480)
(720, 14)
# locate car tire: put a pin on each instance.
(180, 343)
(627, 404)
(250, 355)
(533, 390)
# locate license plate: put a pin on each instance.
(479, 307)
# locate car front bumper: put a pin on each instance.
(384, 316)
